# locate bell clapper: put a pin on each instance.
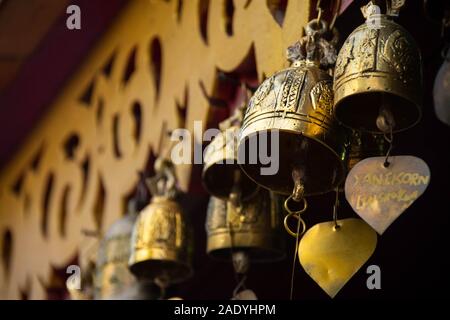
(241, 264)
(386, 123)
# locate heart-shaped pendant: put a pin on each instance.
(331, 256)
(380, 194)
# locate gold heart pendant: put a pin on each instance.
(331, 256)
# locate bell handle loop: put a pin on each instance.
(163, 183)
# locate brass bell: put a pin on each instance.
(221, 171)
(112, 274)
(364, 145)
(162, 238)
(378, 68)
(295, 107)
(253, 227)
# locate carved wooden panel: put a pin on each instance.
(145, 76)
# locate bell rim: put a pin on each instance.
(219, 250)
(225, 195)
(188, 271)
(335, 154)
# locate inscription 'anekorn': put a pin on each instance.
(390, 179)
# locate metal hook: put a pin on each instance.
(296, 215)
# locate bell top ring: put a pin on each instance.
(378, 66)
(295, 106)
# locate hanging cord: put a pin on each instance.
(385, 123)
(297, 196)
(335, 209)
(390, 140)
(335, 11)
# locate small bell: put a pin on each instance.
(221, 172)
(162, 239)
(293, 109)
(112, 274)
(378, 67)
(441, 91)
(364, 145)
(253, 228)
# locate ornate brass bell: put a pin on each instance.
(221, 171)
(162, 238)
(253, 228)
(295, 106)
(378, 67)
(112, 274)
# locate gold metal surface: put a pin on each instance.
(378, 65)
(161, 242)
(331, 256)
(380, 194)
(112, 276)
(253, 228)
(297, 102)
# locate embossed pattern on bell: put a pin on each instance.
(254, 228)
(162, 242)
(378, 66)
(297, 103)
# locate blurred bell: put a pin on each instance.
(112, 275)
(378, 67)
(162, 237)
(252, 228)
(441, 91)
(291, 117)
